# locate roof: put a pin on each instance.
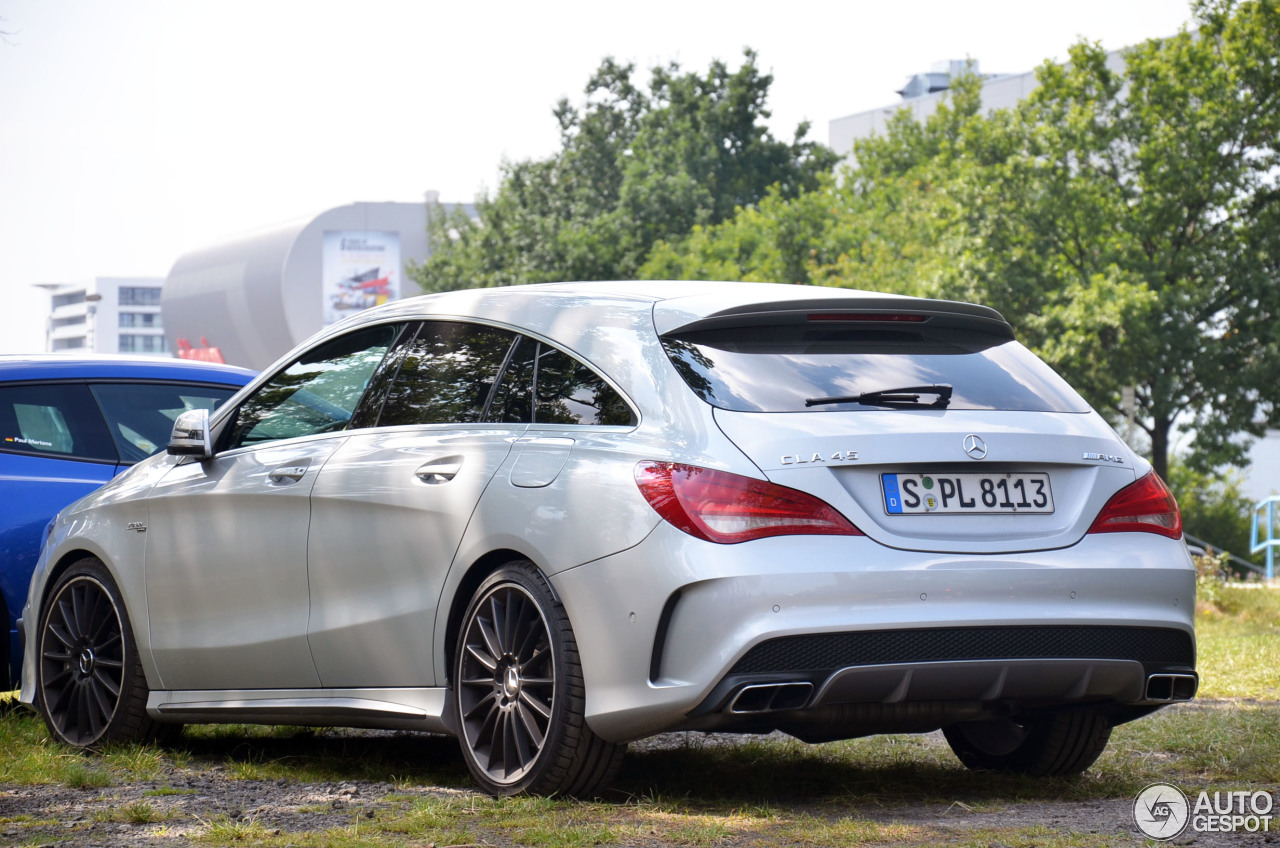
(55, 366)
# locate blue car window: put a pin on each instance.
(140, 415)
(57, 419)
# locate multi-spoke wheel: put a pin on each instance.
(1048, 744)
(519, 692)
(90, 687)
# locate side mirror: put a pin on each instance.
(191, 434)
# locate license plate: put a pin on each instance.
(971, 494)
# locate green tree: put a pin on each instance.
(1125, 219)
(635, 166)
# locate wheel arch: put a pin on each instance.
(466, 587)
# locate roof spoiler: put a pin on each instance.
(889, 310)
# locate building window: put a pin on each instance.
(74, 320)
(140, 319)
(139, 296)
(75, 343)
(67, 299)
(133, 343)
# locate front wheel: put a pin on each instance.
(1044, 745)
(519, 692)
(90, 688)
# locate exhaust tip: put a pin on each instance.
(771, 697)
(1167, 688)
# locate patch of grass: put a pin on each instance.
(136, 812)
(1238, 643)
(163, 791)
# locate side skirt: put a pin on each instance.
(391, 709)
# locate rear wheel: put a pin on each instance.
(1049, 744)
(519, 692)
(89, 683)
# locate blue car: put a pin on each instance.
(69, 424)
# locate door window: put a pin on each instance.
(446, 374)
(318, 393)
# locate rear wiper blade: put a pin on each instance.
(906, 396)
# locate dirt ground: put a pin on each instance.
(205, 791)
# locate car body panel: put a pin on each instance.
(227, 588)
(372, 612)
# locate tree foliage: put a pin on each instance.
(1125, 217)
(634, 166)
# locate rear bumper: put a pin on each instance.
(681, 633)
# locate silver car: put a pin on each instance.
(552, 519)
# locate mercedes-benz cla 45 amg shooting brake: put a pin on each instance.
(553, 519)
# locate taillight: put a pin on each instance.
(1146, 506)
(721, 507)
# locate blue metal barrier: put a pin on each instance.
(1264, 519)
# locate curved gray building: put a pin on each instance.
(254, 296)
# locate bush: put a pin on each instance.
(1213, 507)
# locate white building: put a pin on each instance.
(105, 315)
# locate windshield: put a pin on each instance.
(777, 369)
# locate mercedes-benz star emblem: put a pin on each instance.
(975, 447)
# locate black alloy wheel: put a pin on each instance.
(520, 695)
(90, 687)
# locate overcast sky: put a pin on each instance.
(132, 131)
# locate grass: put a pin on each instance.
(758, 791)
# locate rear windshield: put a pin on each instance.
(778, 369)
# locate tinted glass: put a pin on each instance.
(445, 374)
(316, 394)
(775, 369)
(545, 385)
(60, 419)
(140, 415)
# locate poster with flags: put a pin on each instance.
(361, 268)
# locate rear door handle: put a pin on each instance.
(439, 471)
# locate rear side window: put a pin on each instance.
(545, 385)
(779, 368)
(140, 415)
(59, 419)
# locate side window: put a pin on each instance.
(545, 385)
(59, 419)
(446, 374)
(317, 393)
(140, 415)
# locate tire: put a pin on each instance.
(90, 688)
(1046, 745)
(519, 693)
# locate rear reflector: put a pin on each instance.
(726, 508)
(1146, 506)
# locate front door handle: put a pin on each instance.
(439, 471)
(287, 474)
